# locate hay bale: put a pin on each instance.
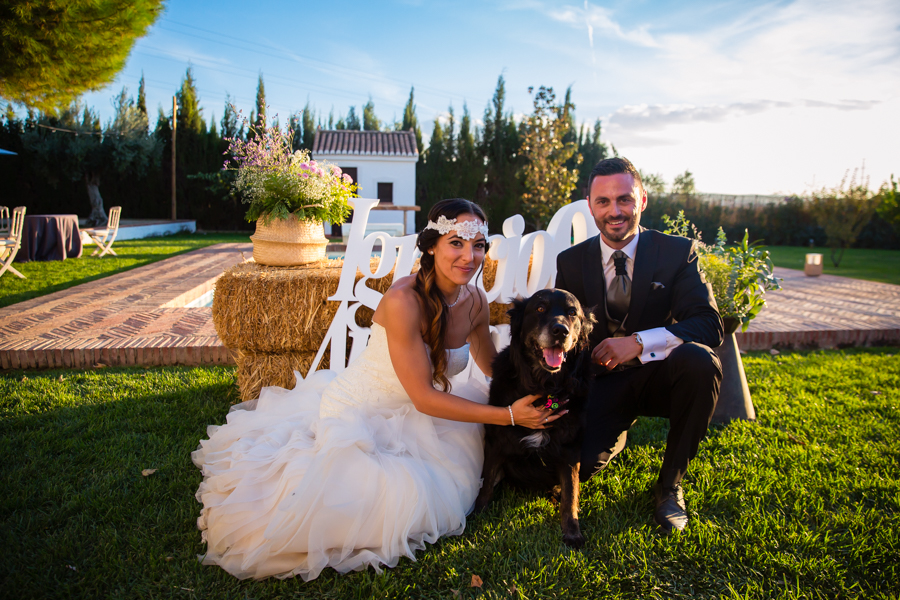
(256, 370)
(259, 308)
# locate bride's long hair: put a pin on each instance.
(433, 302)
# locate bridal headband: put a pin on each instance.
(467, 230)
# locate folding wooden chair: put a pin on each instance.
(4, 221)
(104, 238)
(10, 245)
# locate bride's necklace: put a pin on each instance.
(458, 294)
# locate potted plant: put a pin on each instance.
(290, 196)
(740, 276)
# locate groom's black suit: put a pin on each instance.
(667, 291)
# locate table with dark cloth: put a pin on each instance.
(49, 237)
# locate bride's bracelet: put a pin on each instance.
(511, 418)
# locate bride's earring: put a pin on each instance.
(431, 252)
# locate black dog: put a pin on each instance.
(549, 354)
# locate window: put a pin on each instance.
(386, 193)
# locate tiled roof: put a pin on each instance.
(367, 143)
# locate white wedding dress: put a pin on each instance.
(341, 472)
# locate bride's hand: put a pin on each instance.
(532, 417)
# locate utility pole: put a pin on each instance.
(174, 127)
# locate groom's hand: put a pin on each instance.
(615, 351)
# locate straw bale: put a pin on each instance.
(260, 308)
(256, 370)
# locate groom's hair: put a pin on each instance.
(614, 166)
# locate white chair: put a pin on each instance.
(10, 244)
(104, 238)
(4, 221)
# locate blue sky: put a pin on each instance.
(752, 97)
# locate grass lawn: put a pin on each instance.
(51, 276)
(859, 263)
(804, 503)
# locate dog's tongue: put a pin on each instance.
(553, 356)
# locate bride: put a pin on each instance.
(364, 467)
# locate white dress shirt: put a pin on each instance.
(659, 341)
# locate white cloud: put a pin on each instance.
(630, 125)
(595, 17)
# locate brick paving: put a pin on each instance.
(825, 312)
(135, 318)
(139, 317)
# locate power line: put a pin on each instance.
(281, 55)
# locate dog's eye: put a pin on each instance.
(541, 309)
(572, 312)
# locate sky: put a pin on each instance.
(751, 97)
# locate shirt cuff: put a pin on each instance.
(658, 344)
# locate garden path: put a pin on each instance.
(140, 317)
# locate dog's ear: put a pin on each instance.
(587, 326)
(516, 317)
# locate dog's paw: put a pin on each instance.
(574, 540)
(481, 503)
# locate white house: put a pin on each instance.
(383, 163)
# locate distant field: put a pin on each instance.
(872, 265)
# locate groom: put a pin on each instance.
(657, 322)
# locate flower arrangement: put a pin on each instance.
(740, 275)
(278, 182)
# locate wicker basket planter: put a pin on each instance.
(288, 242)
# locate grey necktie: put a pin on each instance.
(618, 297)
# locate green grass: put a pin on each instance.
(804, 503)
(51, 276)
(859, 263)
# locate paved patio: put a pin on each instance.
(141, 317)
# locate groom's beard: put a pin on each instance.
(631, 228)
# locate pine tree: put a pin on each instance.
(51, 52)
(370, 121)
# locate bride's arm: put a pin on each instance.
(482, 347)
(400, 315)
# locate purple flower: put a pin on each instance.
(304, 175)
(347, 178)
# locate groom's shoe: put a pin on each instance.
(670, 513)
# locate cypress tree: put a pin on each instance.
(260, 103)
(370, 121)
(500, 192)
(352, 122)
(309, 126)
(229, 124)
(142, 96)
(411, 121)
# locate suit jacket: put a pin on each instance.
(668, 289)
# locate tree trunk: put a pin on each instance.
(98, 215)
(836, 256)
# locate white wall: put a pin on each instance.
(372, 170)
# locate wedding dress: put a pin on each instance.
(341, 472)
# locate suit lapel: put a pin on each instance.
(644, 265)
(594, 282)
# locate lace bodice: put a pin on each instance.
(371, 379)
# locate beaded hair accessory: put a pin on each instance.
(467, 230)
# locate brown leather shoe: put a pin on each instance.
(671, 511)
